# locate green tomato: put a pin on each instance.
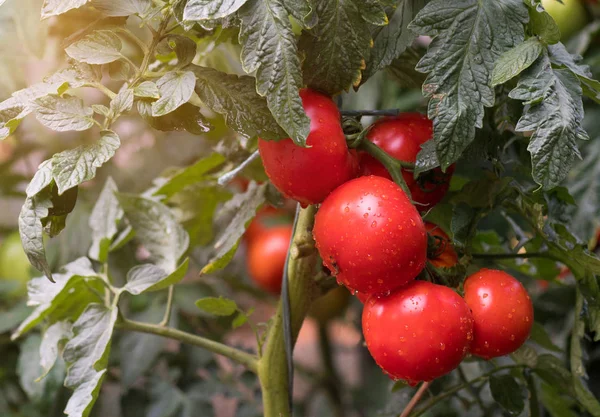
(14, 265)
(570, 16)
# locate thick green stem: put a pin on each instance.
(246, 359)
(272, 367)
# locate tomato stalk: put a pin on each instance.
(415, 399)
(273, 365)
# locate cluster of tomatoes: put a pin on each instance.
(372, 238)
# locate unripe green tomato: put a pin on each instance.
(570, 16)
(14, 265)
(331, 305)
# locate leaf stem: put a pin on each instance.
(155, 40)
(248, 360)
(415, 399)
(132, 36)
(104, 89)
(169, 307)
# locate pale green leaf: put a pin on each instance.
(104, 218)
(149, 277)
(190, 175)
(31, 230)
(122, 103)
(50, 348)
(116, 8)
(56, 7)
(146, 89)
(63, 113)
(210, 9)
(176, 88)
(99, 47)
(217, 306)
(516, 60)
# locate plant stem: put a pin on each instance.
(155, 40)
(332, 381)
(246, 359)
(415, 399)
(474, 393)
(534, 405)
(169, 308)
(393, 165)
(462, 386)
(273, 365)
(132, 36)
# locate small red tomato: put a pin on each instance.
(502, 311)
(444, 255)
(266, 218)
(309, 174)
(419, 332)
(402, 137)
(370, 236)
(266, 257)
(362, 297)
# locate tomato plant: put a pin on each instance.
(370, 236)
(189, 179)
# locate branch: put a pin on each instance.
(236, 355)
(415, 399)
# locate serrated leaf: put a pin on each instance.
(426, 158)
(115, 8)
(561, 57)
(543, 25)
(337, 46)
(540, 336)
(187, 117)
(57, 7)
(269, 50)
(184, 48)
(176, 88)
(469, 36)
(28, 368)
(75, 166)
(148, 277)
(63, 114)
(514, 61)
(101, 109)
(245, 205)
(31, 230)
(236, 98)
(11, 112)
(99, 47)
(122, 103)
(554, 111)
(49, 348)
(86, 355)
(301, 10)
(104, 218)
(157, 229)
(190, 175)
(146, 89)
(507, 393)
(404, 72)
(41, 179)
(210, 9)
(217, 306)
(393, 39)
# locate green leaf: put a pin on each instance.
(31, 230)
(561, 57)
(86, 355)
(543, 25)
(217, 306)
(469, 36)
(393, 39)
(555, 404)
(525, 355)
(41, 179)
(236, 98)
(426, 158)
(210, 9)
(302, 11)
(586, 398)
(157, 229)
(190, 175)
(99, 47)
(148, 277)
(540, 336)
(514, 61)
(49, 347)
(56, 7)
(245, 206)
(176, 88)
(337, 47)
(122, 103)
(462, 217)
(146, 89)
(28, 367)
(186, 118)
(115, 8)
(554, 112)
(239, 320)
(184, 48)
(403, 70)
(63, 113)
(11, 113)
(103, 221)
(65, 299)
(552, 370)
(75, 166)
(507, 392)
(269, 50)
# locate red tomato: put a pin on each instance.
(362, 297)
(308, 175)
(419, 332)
(502, 311)
(370, 236)
(266, 218)
(266, 257)
(445, 256)
(402, 137)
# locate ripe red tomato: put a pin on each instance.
(502, 311)
(266, 218)
(362, 297)
(370, 236)
(402, 137)
(308, 175)
(445, 256)
(419, 332)
(266, 257)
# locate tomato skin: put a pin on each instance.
(362, 297)
(266, 218)
(419, 332)
(308, 175)
(502, 311)
(266, 257)
(370, 236)
(401, 137)
(446, 256)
